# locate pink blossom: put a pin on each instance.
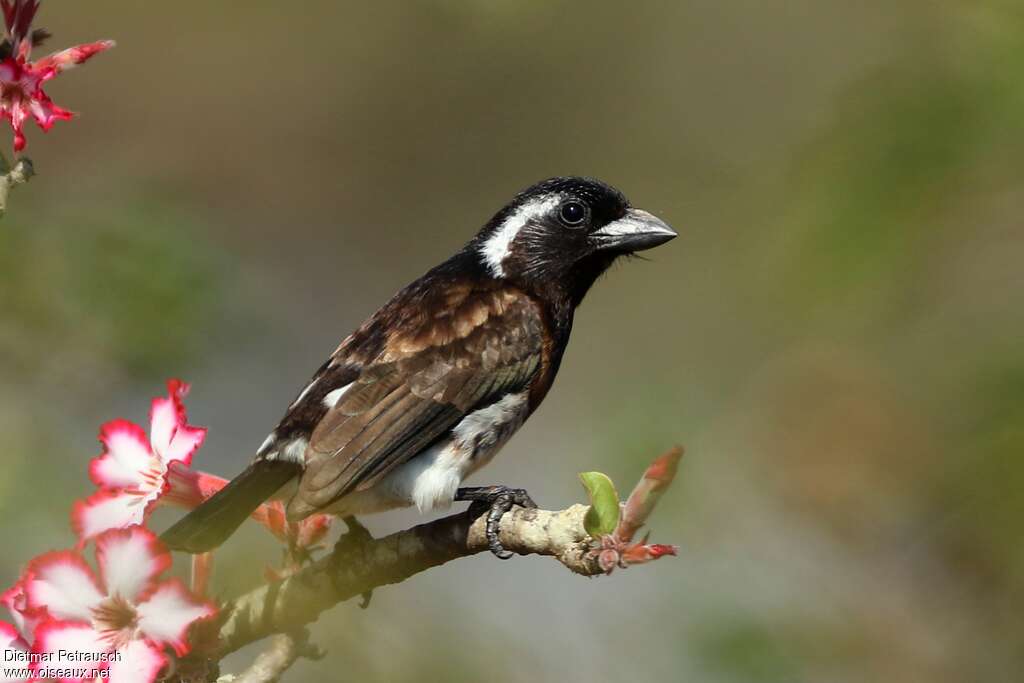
(189, 488)
(123, 608)
(21, 80)
(133, 471)
(12, 644)
(25, 618)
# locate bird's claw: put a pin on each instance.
(356, 536)
(495, 501)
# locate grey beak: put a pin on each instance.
(636, 231)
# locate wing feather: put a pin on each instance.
(418, 389)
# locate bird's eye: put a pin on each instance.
(572, 213)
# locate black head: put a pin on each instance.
(559, 235)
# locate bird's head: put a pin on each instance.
(559, 235)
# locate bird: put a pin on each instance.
(432, 385)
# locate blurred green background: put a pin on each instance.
(837, 337)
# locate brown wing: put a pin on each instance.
(428, 377)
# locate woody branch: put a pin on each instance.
(282, 606)
(588, 540)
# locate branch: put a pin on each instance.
(588, 540)
(284, 650)
(282, 606)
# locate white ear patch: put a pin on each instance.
(496, 248)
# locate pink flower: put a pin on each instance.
(189, 488)
(25, 618)
(133, 472)
(13, 646)
(21, 81)
(124, 609)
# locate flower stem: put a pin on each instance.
(12, 177)
(202, 573)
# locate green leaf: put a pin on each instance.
(603, 515)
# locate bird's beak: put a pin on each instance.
(636, 231)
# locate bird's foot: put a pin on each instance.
(356, 537)
(495, 501)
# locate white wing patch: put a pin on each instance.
(266, 443)
(332, 398)
(295, 449)
(496, 248)
(292, 451)
(305, 391)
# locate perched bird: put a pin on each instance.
(428, 389)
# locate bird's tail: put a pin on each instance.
(211, 523)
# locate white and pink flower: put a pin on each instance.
(13, 646)
(124, 608)
(21, 81)
(24, 617)
(133, 472)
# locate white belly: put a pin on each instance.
(429, 480)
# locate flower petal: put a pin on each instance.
(186, 441)
(72, 56)
(125, 458)
(313, 529)
(188, 488)
(45, 112)
(66, 641)
(129, 560)
(166, 614)
(18, 17)
(8, 634)
(107, 472)
(169, 432)
(139, 662)
(62, 584)
(15, 112)
(271, 515)
(12, 646)
(16, 602)
(106, 510)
